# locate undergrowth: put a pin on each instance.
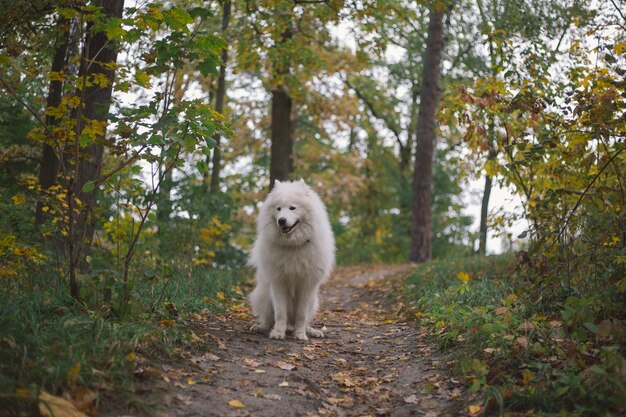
(50, 343)
(562, 356)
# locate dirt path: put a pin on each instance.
(369, 363)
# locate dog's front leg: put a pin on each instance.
(304, 298)
(280, 298)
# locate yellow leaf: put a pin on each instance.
(527, 376)
(18, 199)
(143, 79)
(22, 392)
(132, 357)
(236, 404)
(474, 410)
(57, 76)
(51, 406)
(73, 373)
(190, 381)
(167, 322)
(220, 296)
(463, 276)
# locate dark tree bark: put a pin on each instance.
(281, 159)
(281, 163)
(219, 101)
(49, 165)
(86, 164)
(421, 228)
(484, 210)
(99, 52)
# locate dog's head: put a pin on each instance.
(286, 211)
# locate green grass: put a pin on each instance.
(49, 342)
(564, 358)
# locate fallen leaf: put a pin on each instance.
(284, 384)
(522, 341)
(411, 399)
(236, 404)
(501, 310)
(272, 397)
(185, 399)
(344, 379)
(190, 381)
(526, 326)
(251, 362)
(84, 398)
(259, 371)
(211, 357)
(284, 365)
(474, 410)
(51, 406)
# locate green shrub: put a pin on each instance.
(521, 353)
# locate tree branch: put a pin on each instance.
(390, 125)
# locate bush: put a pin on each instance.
(564, 357)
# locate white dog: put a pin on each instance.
(293, 254)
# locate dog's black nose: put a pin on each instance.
(282, 221)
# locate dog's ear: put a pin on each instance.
(306, 187)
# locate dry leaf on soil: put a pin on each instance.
(236, 404)
(51, 406)
(411, 399)
(284, 365)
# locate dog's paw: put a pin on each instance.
(257, 328)
(314, 332)
(277, 334)
(300, 336)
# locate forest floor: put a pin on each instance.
(372, 361)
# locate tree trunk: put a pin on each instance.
(281, 159)
(86, 163)
(281, 163)
(219, 101)
(421, 228)
(49, 165)
(484, 210)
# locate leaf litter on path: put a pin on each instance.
(370, 362)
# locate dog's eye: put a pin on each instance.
(278, 208)
(292, 208)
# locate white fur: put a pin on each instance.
(290, 267)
